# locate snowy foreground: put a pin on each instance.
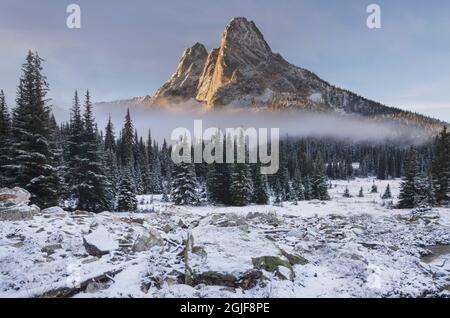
(348, 247)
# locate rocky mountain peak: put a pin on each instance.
(244, 72)
(183, 84)
(243, 34)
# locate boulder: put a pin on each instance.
(168, 228)
(94, 287)
(15, 196)
(270, 263)
(54, 211)
(14, 205)
(100, 242)
(148, 240)
(222, 256)
(51, 249)
(294, 259)
(274, 264)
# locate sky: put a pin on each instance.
(130, 48)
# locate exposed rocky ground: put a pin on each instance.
(348, 247)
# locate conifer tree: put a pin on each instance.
(260, 195)
(5, 138)
(127, 141)
(283, 176)
(277, 192)
(184, 184)
(424, 192)
(361, 193)
(240, 187)
(93, 186)
(387, 193)
(297, 185)
(346, 193)
(139, 182)
(110, 159)
(374, 188)
(307, 187)
(214, 183)
(440, 167)
(33, 168)
(74, 152)
(126, 199)
(319, 189)
(408, 186)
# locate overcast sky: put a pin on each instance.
(129, 48)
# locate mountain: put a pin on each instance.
(244, 72)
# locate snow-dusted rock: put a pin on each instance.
(148, 240)
(55, 211)
(14, 205)
(230, 256)
(100, 242)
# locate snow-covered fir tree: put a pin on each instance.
(260, 195)
(319, 188)
(73, 152)
(440, 167)
(347, 193)
(408, 186)
(126, 199)
(110, 159)
(307, 187)
(184, 183)
(361, 193)
(297, 185)
(33, 167)
(93, 188)
(241, 185)
(5, 140)
(374, 188)
(214, 183)
(424, 192)
(387, 193)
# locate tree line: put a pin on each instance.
(79, 166)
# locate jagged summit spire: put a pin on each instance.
(242, 32)
(183, 84)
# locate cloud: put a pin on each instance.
(162, 121)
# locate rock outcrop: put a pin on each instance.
(183, 84)
(100, 242)
(14, 205)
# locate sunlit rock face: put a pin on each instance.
(244, 72)
(183, 84)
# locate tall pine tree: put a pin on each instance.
(93, 187)
(32, 167)
(440, 167)
(408, 186)
(260, 195)
(5, 138)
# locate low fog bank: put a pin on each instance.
(162, 121)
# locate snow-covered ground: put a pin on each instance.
(346, 247)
